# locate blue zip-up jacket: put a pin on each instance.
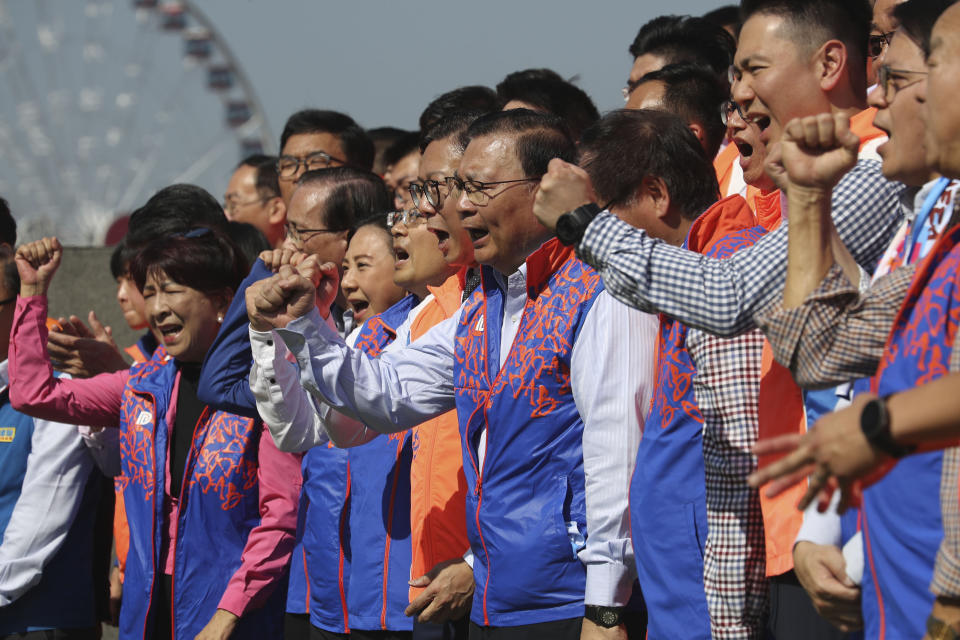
(63, 599)
(668, 509)
(531, 482)
(320, 569)
(380, 551)
(218, 507)
(901, 514)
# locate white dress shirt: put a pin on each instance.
(611, 378)
(58, 468)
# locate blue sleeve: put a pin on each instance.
(224, 380)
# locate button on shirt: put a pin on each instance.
(611, 378)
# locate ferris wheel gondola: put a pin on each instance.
(107, 101)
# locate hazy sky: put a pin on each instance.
(382, 62)
(100, 108)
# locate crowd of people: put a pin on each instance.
(530, 371)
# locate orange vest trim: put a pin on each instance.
(782, 412)
(438, 488)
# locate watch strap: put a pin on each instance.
(572, 225)
(875, 424)
(606, 617)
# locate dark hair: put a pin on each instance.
(728, 14)
(540, 137)
(121, 258)
(378, 220)
(11, 275)
(383, 138)
(686, 39)
(248, 239)
(174, 209)
(401, 148)
(204, 259)
(471, 98)
(814, 22)
(917, 17)
(627, 145)
(265, 179)
(356, 144)
(694, 93)
(545, 90)
(8, 226)
(455, 124)
(354, 195)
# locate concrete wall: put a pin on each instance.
(82, 283)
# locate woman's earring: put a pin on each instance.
(219, 318)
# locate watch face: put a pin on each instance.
(608, 618)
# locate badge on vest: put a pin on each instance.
(7, 434)
(144, 418)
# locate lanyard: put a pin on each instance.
(938, 188)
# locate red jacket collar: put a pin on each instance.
(544, 262)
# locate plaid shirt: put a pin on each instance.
(721, 296)
(727, 386)
(838, 335)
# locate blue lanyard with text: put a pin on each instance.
(931, 201)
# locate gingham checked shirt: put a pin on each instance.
(722, 296)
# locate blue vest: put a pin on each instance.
(64, 596)
(219, 505)
(531, 483)
(380, 552)
(668, 509)
(901, 515)
(320, 565)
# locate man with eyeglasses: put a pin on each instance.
(317, 139)
(324, 205)
(793, 59)
(545, 456)
(904, 509)
(253, 196)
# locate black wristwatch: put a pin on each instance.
(875, 424)
(606, 617)
(572, 224)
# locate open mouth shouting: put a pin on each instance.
(360, 306)
(170, 331)
(401, 257)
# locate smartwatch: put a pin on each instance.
(572, 224)
(606, 617)
(875, 424)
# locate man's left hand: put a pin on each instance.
(220, 627)
(447, 594)
(564, 187)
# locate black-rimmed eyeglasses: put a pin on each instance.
(289, 166)
(893, 80)
(728, 108)
(478, 192)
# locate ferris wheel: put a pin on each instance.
(105, 101)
